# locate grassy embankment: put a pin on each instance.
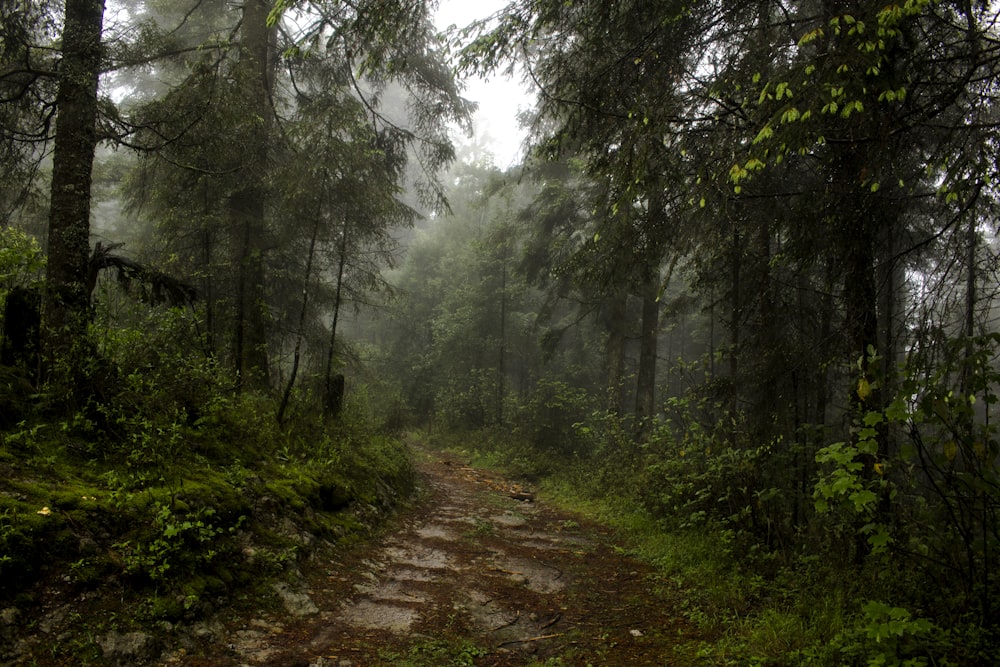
(756, 608)
(124, 518)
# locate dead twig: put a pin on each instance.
(550, 623)
(532, 639)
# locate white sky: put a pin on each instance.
(499, 98)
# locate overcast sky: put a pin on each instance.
(499, 98)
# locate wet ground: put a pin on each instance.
(479, 573)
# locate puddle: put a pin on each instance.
(509, 520)
(435, 531)
(427, 558)
(394, 590)
(535, 575)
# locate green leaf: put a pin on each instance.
(862, 499)
(790, 115)
(873, 418)
(864, 389)
(765, 133)
(841, 485)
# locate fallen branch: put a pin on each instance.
(532, 639)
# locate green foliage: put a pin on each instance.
(884, 635)
(547, 419)
(21, 260)
(469, 402)
(432, 653)
(173, 488)
(176, 545)
(24, 531)
(855, 482)
(947, 471)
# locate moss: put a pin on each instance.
(167, 608)
(173, 539)
(29, 536)
(288, 492)
(212, 489)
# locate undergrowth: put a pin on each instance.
(156, 512)
(758, 607)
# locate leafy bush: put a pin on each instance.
(548, 419)
(471, 403)
(22, 262)
(177, 543)
(883, 635)
(699, 472)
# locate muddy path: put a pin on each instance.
(478, 573)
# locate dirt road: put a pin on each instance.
(479, 573)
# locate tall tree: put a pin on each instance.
(67, 301)
(255, 82)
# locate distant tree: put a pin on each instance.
(341, 106)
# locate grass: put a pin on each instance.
(437, 653)
(749, 620)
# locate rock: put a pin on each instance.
(9, 616)
(203, 631)
(88, 545)
(296, 604)
(129, 648)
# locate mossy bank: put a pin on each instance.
(123, 538)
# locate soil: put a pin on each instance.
(479, 572)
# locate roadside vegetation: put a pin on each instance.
(760, 602)
(164, 499)
(739, 298)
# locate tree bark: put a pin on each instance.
(300, 334)
(247, 205)
(334, 385)
(502, 360)
(614, 352)
(67, 302)
(645, 399)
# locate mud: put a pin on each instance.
(519, 581)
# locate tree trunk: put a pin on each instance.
(67, 302)
(333, 396)
(735, 306)
(502, 361)
(614, 352)
(247, 205)
(969, 324)
(209, 292)
(645, 399)
(300, 334)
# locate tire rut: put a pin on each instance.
(478, 574)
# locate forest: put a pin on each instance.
(736, 298)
